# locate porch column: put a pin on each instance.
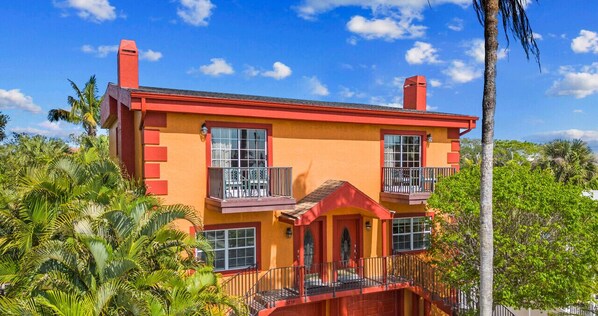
(427, 308)
(301, 261)
(384, 237)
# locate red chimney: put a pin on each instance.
(128, 64)
(414, 93)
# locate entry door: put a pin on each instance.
(346, 241)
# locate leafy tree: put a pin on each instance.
(514, 20)
(85, 107)
(544, 245)
(3, 121)
(571, 161)
(76, 238)
(505, 151)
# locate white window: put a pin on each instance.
(402, 151)
(411, 233)
(233, 248)
(239, 147)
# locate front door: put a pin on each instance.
(347, 243)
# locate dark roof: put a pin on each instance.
(231, 96)
(317, 195)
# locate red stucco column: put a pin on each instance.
(384, 238)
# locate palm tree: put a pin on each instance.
(514, 20)
(85, 107)
(570, 161)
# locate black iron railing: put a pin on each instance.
(298, 282)
(251, 182)
(413, 180)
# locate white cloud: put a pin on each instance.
(250, 71)
(316, 87)
(93, 10)
(461, 72)
(588, 136)
(309, 9)
(586, 42)
(435, 83)
(352, 40)
(578, 83)
(100, 51)
(195, 12)
(431, 107)
(15, 99)
(150, 55)
(421, 53)
(347, 93)
(577, 111)
(279, 71)
(218, 67)
(387, 28)
(477, 50)
(537, 36)
(398, 81)
(47, 128)
(456, 25)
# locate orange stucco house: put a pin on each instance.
(311, 207)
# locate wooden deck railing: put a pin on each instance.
(383, 273)
(252, 182)
(413, 180)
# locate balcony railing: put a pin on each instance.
(413, 180)
(297, 283)
(251, 182)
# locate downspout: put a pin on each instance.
(143, 112)
(469, 128)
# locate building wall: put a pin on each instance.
(317, 151)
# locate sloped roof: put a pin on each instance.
(331, 195)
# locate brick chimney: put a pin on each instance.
(414, 93)
(128, 64)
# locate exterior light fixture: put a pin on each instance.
(204, 129)
(368, 225)
(289, 232)
(429, 138)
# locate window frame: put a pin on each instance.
(427, 224)
(238, 146)
(423, 147)
(226, 227)
(238, 125)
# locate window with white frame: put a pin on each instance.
(239, 147)
(233, 248)
(402, 151)
(411, 233)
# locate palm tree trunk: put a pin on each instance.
(488, 106)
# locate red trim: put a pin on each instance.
(345, 195)
(414, 214)
(155, 119)
(157, 187)
(210, 124)
(155, 153)
(452, 158)
(151, 170)
(384, 237)
(280, 110)
(455, 145)
(457, 167)
(151, 137)
(453, 133)
(414, 304)
(258, 240)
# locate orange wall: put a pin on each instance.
(317, 151)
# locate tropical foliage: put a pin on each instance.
(76, 238)
(544, 237)
(84, 107)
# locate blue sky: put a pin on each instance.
(332, 50)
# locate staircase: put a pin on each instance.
(293, 285)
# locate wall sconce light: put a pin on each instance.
(204, 129)
(429, 138)
(289, 232)
(368, 225)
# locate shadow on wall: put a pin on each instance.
(300, 184)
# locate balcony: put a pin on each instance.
(411, 185)
(250, 189)
(285, 286)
